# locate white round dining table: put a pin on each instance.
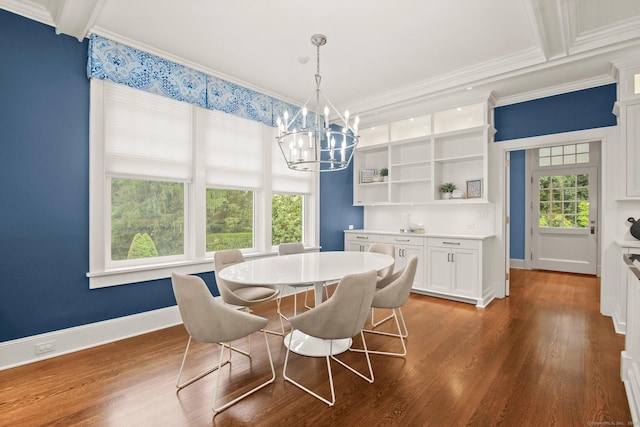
(316, 268)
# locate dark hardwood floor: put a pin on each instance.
(543, 356)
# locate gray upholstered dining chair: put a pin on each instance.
(386, 249)
(242, 295)
(290, 249)
(208, 321)
(342, 316)
(393, 295)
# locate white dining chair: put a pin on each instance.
(208, 321)
(342, 316)
(383, 275)
(392, 296)
(243, 295)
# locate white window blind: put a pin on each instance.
(233, 151)
(146, 135)
(285, 180)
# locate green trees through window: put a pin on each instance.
(229, 219)
(147, 218)
(286, 219)
(564, 201)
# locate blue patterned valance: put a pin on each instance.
(109, 60)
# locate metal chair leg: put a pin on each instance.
(374, 324)
(398, 335)
(253, 390)
(328, 358)
(197, 377)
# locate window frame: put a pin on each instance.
(196, 259)
(111, 264)
(304, 203)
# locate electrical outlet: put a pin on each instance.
(350, 226)
(45, 347)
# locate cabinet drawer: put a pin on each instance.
(443, 242)
(362, 237)
(403, 240)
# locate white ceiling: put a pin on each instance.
(380, 53)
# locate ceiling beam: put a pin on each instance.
(74, 17)
(549, 24)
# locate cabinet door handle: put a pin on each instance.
(452, 257)
(450, 243)
(362, 237)
(402, 240)
(449, 257)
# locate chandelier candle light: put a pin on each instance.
(308, 141)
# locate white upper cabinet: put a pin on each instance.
(628, 111)
(421, 153)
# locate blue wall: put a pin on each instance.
(336, 208)
(44, 208)
(584, 109)
(517, 204)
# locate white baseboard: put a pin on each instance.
(517, 263)
(618, 325)
(22, 351)
(632, 388)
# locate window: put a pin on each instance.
(147, 219)
(286, 219)
(229, 219)
(172, 182)
(564, 155)
(564, 201)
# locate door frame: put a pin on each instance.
(595, 161)
(593, 171)
(499, 169)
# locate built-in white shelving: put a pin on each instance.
(419, 160)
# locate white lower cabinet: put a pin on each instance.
(454, 269)
(359, 242)
(447, 267)
(406, 247)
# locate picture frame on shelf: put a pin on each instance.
(474, 189)
(366, 175)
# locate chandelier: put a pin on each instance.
(308, 141)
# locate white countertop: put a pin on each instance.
(628, 243)
(428, 234)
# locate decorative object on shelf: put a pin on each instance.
(377, 178)
(311, 143)
(384, 173)
(366, 175)
(635, 228)
(474, 189)
(457, 194)
(446, 189)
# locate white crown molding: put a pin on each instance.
(627, 30)
(29, 10)
(556, 90)
(453, 81)
(179, 60)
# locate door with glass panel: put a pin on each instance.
(564, 234)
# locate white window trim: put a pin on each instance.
(196, 259)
